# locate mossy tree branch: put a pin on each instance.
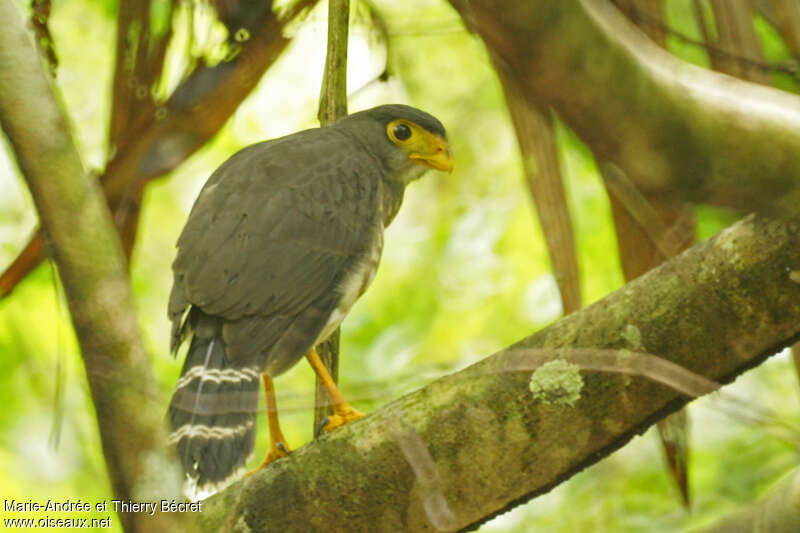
(91, 264)
(476, 443)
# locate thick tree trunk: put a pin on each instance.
(479, 442)
(91, 264)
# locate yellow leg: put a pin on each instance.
(277, 442)
(342, 412)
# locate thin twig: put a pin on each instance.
(332, 107)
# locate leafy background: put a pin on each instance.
(464, 273)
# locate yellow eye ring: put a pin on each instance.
(401, 132)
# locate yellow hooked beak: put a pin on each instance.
(435, 153)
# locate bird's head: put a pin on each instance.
(406, 140)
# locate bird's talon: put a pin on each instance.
(321, 426)
(331, 422)
(279, 451)
(341, 418)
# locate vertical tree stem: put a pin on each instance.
(332, 107)
(333, 95)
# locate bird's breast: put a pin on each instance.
(355, 282)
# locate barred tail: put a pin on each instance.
(212, 412)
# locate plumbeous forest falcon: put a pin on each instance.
(282, 240)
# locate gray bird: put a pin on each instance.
(282, 240)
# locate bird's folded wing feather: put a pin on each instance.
(276, 226)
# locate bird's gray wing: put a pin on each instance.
(272, 233)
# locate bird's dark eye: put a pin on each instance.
(402, 132)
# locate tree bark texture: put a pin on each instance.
(90, 261)
(478, 442)
(537, 145)
(672, 127)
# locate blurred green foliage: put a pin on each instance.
(465, 272)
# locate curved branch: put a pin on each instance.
(674, 128)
